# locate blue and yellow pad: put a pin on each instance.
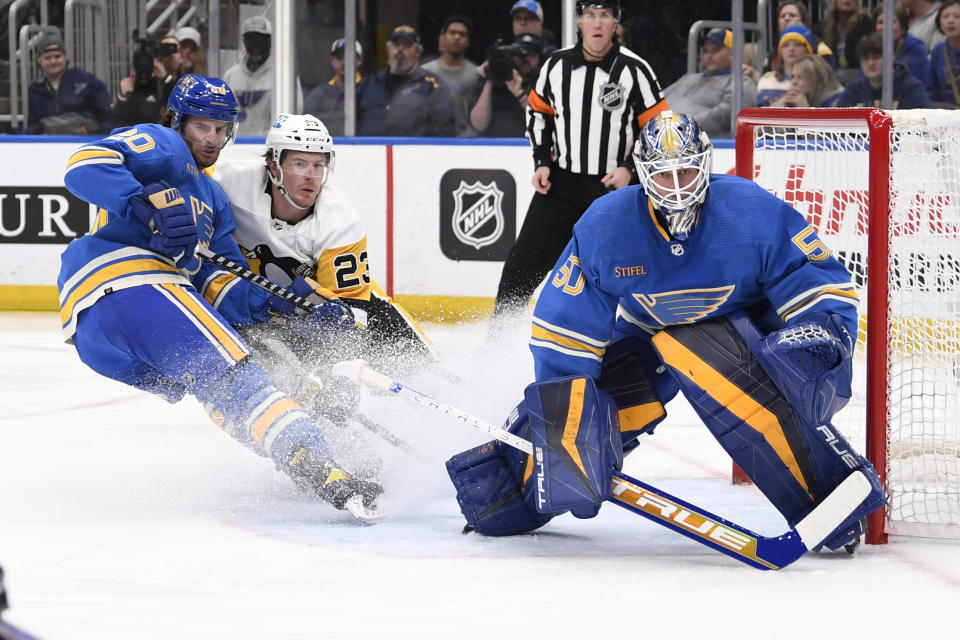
(576, 445)
(793, 464)
(626, 376)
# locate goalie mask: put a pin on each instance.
(673, 163)
(300, 133)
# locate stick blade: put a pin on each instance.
(367, 515)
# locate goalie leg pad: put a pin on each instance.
(794, 464)
(625, 376)
(576, 445)
(489, 480)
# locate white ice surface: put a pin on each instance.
(124, 517)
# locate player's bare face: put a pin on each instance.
(303, 175)
(597, 27)
(668, 182)
(205, 138)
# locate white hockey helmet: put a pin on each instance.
(669, 143)
(292, 132)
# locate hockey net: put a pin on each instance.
(885, 185)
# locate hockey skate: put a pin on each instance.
(326, 479)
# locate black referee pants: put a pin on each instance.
(546, 230)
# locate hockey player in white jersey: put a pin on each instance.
(300, 230)
(691, 282)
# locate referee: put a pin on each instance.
(586, 109)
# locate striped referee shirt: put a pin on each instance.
(586, 115)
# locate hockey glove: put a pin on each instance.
(164, 211)
(811, 363)
(327, 314)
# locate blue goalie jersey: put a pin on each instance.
(115, 253)
(622, 273)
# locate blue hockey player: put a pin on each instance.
(705, 284)
(142, 309)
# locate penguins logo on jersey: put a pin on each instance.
(611, 96)
(479, 223)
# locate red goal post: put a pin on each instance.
(885, 185)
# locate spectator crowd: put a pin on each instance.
(837, 62)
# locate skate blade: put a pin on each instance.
(367, 515)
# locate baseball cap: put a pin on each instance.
(529, 43)
(723, 37)
(530, 5)
(50, 43)
(256, 24)
(405, 31)
(188, 33)
(338, 45)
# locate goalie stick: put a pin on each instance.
(698, 524)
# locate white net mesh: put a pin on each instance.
(824, 172)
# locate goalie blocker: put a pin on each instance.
(775, 427)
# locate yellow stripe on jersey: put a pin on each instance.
(572, 427)
(830, 293)
(270, 415)
(541, 333)
(94, 155)
(226, 339)
(213, 286)
(730, 396)
(100, 277)
(100, 221)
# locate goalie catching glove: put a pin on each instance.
(811, 363)
(164, 211)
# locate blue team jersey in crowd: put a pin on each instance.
(115, 253)
(622, 271)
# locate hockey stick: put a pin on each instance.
(698, 524)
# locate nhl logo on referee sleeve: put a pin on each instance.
(477, 214)
(611, 96)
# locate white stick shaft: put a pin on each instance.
(375, 379)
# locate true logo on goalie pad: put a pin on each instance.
(541, 476)
(848, 458)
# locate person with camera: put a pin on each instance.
(501, 94)
(156, 69)
(585, 111)
(68, 101)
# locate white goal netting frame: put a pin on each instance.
(882, 189)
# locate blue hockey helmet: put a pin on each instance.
(669, 145)
(206, 97)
